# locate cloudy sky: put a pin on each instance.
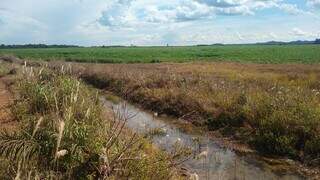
(157, 22)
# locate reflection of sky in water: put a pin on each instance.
(220, 163)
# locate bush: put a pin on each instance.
(312, 149)
(270, 143)
(284, 124)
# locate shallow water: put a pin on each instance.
(216, 162)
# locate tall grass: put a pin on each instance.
(273, 109)
(63, 133)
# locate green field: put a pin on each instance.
(240, 53)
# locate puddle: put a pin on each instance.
(214, 162)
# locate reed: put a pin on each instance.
(273, 108)
(64, 133)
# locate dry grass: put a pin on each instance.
(64, 133)
(274, 108)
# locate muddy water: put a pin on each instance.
(210, 161)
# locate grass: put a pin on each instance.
(239, 53)
(273, 108)
(3, 70)
(64, 133)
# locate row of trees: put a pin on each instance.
(3, 46)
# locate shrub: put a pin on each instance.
(284, 123)
(312, 149)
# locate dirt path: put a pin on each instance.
(6, 120)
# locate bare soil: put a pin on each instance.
(6, 99)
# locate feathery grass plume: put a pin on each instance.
(194, 176)
(61, 153)
(56, 102)
(87, 113)
(24, 67)
(18, 174)
(40, 72)
(60, 134)
(97, 97)
(31, 72)
(37, 126)
(70, 68)
(62, 69)
(203, 154)
(77, 92)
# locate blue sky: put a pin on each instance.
(157, 22)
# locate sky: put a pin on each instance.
(157, 22)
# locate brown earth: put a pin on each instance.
(6, 118)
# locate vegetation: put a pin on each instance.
(239, 53)
(273, 108)
(63, 133)
(2, 46)
(3, 71)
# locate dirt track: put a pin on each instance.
(6, 120)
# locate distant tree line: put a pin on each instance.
(298, 42)
(3, 46)
(16, 46)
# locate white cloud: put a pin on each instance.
(273, 35)
(290, 8)
(12, 18)
(239, 36)
(129, 13)
(239, 7)
(234, 3)
(237, 10)
(147, 22)
(299, 32)
(117, 15)
(313, 3)
(16, 26)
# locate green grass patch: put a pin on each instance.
(238, 53)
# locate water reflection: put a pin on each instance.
(209, 160)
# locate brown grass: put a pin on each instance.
(63, 132)
(274, 108)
